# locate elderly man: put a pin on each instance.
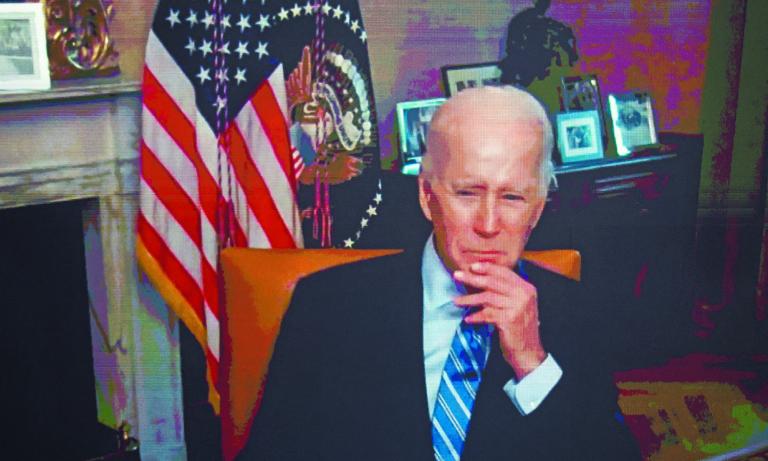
(457, 351)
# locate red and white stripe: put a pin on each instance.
(180, 191)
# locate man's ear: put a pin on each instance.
(425, 196)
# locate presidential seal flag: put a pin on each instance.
(333, 121)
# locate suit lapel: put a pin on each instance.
(403, 302)
(493, 412)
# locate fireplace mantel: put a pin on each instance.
(80, 140)
(77, 140)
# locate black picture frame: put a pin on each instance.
(461, 76)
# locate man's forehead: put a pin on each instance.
(475, 137)
(486, 100)
(502, 167)
(505, 148)
(478, 127)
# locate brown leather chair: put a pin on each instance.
(258, 285)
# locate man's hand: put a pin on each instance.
(510, 304)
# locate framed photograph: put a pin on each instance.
(456, 78)
(578, 136)
(413, 119)
(23, 55)
(582, 93)
(632, 120)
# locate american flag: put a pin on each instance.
(217, 164)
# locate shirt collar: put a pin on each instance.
(439, 286)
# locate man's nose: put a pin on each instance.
(487, 218)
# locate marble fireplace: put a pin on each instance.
(80, 141)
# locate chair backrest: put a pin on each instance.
(258, 285)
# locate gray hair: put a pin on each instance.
(520, 104)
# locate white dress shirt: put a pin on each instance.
(442, 318)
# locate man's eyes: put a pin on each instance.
(474, 193)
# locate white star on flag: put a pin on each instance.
(364, 223)
(220, 104)
(337, 12)
(263, 22)
(371, 210)
(261, 50)
(192, 18)
(242, 48)
(282, 14)
(363, 36)
(355, 25)
(191, 47)
(240, 76)
(203, 75)
(243, 22)
(225, 22)
(348, 243)
(224, 48)
(326, 9)
(377, 198)
(221, 75)
(296, 10)
(208, 20)
(173, 18)
(308, 8)
(205, 48)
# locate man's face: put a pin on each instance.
(483, 197)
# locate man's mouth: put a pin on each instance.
(485, 255)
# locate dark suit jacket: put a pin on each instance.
(347, 378)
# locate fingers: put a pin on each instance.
(495, 316)
(486, 276)
(499, 292)
(484, 316)
(483, 298)
(486, 268)
(470, 279)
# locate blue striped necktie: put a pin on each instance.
(457, 390)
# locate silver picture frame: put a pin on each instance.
(633, 122)
(413, 118)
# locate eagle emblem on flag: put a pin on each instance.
(333, 120)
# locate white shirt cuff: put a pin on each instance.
(528, 394)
